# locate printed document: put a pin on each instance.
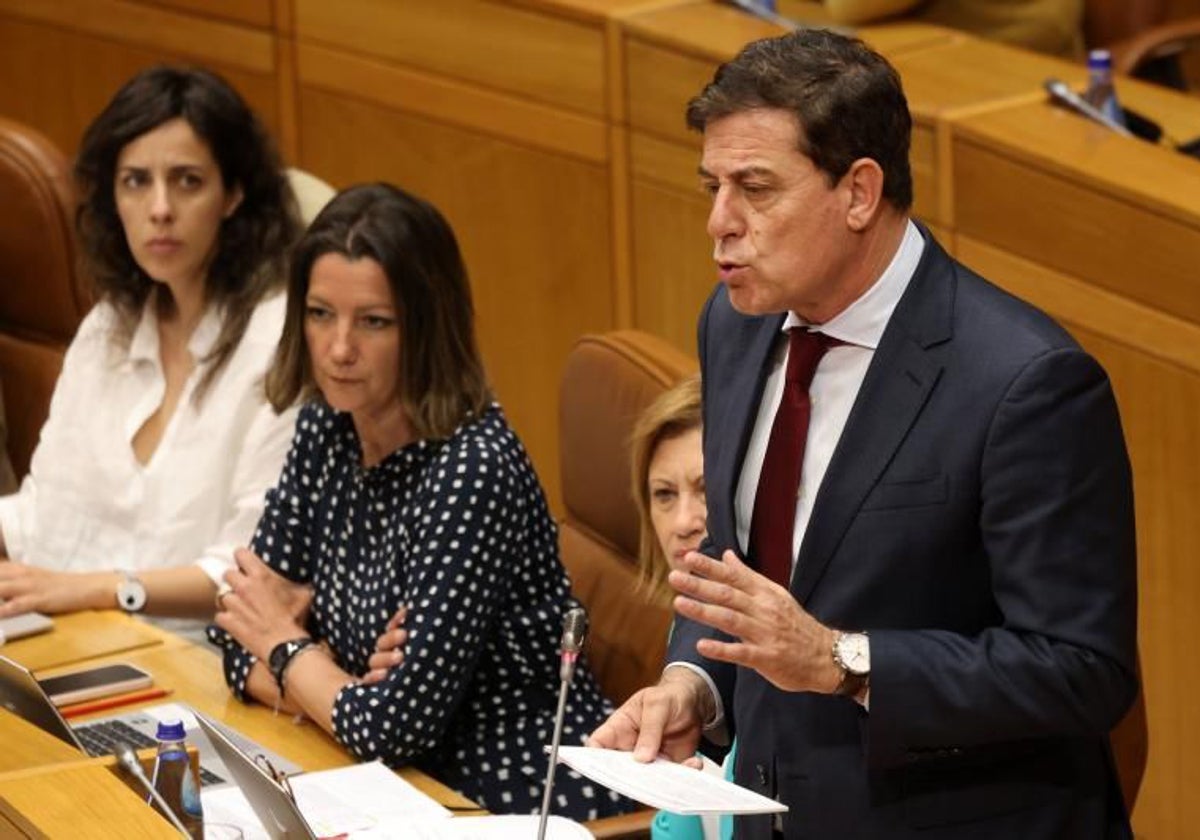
(665, 785)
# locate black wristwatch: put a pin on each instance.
(282, 654)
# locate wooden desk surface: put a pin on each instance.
(25, 745)
(84, 800)
(966, 71)
(717, 31)
(81, 636)
(193, 673)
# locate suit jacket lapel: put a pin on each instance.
(737, 419)
(897, 385)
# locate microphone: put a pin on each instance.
(128, 760)
(574, 632)
(766, 13)
(1061, 92)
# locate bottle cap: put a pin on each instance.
(1099, 59)
(170, 730)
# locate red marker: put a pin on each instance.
(114, 702)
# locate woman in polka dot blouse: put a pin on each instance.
(403, 589)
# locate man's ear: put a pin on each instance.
(233, 201)
(864, 183)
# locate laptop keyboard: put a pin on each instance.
(103, 737)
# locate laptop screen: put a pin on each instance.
(272, 802)
(22, 695)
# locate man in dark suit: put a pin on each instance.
(923, 619)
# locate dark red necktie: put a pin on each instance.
(774, 518)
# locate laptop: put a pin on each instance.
(25, 624)
(269, 795)
(22, 694)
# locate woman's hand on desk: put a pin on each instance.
(262, 608)
(30, 588)
(389, 648)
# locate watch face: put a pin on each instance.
(131, 595)
(279, 657)
(854, 653)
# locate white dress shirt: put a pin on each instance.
(834, 388)
(88, 504)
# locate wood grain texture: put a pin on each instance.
(453, 102)
(496, 45)
(57, 79)
(78, 637)
(143, 24)
(83, 801)
(25, 745)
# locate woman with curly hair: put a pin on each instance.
(160, 443)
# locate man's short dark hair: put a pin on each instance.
(846, 97)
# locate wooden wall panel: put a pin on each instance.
(533, 227)
(494, 45)
(66, 76)
(673, 262)
(256, 13)
(1079, 229)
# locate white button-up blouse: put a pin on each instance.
(88, 504)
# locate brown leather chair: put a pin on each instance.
(609, 380)
(43, 297)
(1109, 22)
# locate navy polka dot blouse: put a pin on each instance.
(459, 531)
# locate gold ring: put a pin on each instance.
(223, 589)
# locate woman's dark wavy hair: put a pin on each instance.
(252, 243)
(442, 379)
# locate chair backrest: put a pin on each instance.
(43, 295)
(312, 194)
(609, 380)
(1109, 22)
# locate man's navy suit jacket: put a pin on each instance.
(977, 520)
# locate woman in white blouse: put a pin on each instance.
(160, 444)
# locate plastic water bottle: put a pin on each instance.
(1100, 92)
(176, 779)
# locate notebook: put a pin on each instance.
(22, 695)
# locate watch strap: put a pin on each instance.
(851, 684)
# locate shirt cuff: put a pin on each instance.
(215, 564)
(718, 708)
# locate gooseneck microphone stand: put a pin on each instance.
(128, 760)
(574, 630)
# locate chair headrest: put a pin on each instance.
(609, 381)
(42, 293)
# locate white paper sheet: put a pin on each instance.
(362, 800)
(666, 785)
(480, 828)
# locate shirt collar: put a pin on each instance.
(862, 322)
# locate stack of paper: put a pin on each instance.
(348, 800)
(370, 802)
